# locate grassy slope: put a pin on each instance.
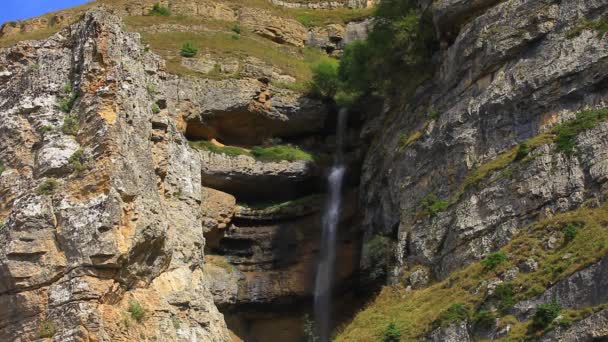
(414, 313)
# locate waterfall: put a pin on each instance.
(331, 218)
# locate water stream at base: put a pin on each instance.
(331, 218)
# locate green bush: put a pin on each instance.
(137, 312)
(325, 81)
(155, 108)
(47, 329)
(157, 9)
(66, 103)
(433, 114)
(236, 28)
(48, 187)
(491, 261)
(570, 231)
(188, 50)
(545, 314)
(455, 313)
(484, 319)
(151, 89)
(47, 128)
(522, 151)
(505, 293)
(77, 161)
(431, 205)
(281, 152)
(392, 333)
(70, 125)
(398, 50)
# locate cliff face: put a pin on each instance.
(506, 74)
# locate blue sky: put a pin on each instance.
(23, 9)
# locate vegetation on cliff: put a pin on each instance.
(461, 295)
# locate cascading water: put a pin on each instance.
(331, 217)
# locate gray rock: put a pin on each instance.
(592, 328)
(455, 332)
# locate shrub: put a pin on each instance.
(433, 114)
(505, 293)
(67, 88)
(155, 108)
(70, 125)
(77, 161)
(137, 312)
(48, 187)
(455, 313)
(325, 81)
(280, 152)
(545, 314)
(522, 151)
(398, 50)
(392, 333)
(47, 329)
(431, 205)
(66, 103)
(484, 319)
(236, 28)
(570, 231)
(176, 322)
(47, 128)
(151, 89)
(188, 50)
(157, 9)
(491, 261)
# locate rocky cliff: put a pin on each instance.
(150, 196)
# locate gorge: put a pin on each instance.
(262, 170)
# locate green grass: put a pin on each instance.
(284, 204)
(281, 152)
(431, 206)
(455, 313)
(268, 154)
(70, 125)
(568, 131)
(492, 261)
(314, 18)
(293, 61)
(600, 25)
(415, 312)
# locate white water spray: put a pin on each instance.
(331, 218)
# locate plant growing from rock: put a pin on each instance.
(325, 82)
(545, 314)
(492, 261)
(379, 251)
(455, 313)
(70, 125)
(392, 333)
(310, 330)
(484, 319)
(157, 9)
(48, 187)
(522, 151)
(47, 128)
(151, 89)
(236, 28)
(431, 205)
(66, 103)
(77, 161)
(136, 311)
(188, 50)
(2, 168)
(47, 329)
(155, 108)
